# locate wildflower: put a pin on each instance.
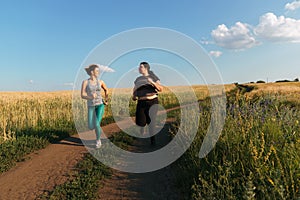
(271, 181)
(273, 119)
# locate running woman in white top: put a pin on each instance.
(91, 91)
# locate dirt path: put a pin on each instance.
(158, 185)
(49, 167)
(46, 168)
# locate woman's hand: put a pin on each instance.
(155, 84)
(105, 99)
(134, 98)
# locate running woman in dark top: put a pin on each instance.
(146, 88)
(91, 91)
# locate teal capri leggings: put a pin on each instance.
(95, 114)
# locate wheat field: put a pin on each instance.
(23, 110)
(257, 155)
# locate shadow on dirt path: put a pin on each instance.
(136, 186)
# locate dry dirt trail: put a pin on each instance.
(51, 166)
(158, 185)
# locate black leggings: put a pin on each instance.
(144, 114)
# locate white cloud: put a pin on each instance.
(292, 6)
(215, 53)
(278, 29)
(206, 42)
(105, 68)
(31, 81)
(238, 36)
(68, 84)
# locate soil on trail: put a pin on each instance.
(51, 166)
(158, 185)
(45, 169)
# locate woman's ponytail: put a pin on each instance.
(153, 76)
(151, 73)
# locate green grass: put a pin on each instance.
(256, 157)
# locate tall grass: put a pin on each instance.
(27, 112)
(34, 112)
(256, 157)
(30, 121)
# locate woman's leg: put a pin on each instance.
(91, 116)
(140, 116)
(152, 126)
(99, 111)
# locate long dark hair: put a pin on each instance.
(150, 72)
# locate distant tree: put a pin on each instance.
(281, 81)
(296, 80)
(260, 81)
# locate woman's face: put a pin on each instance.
(142, 69)
(96, 72)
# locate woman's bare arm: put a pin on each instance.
(84, 95)
(156, 84)
(103, 86)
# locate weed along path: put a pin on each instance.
(49, 167)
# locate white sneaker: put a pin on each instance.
(98, 144)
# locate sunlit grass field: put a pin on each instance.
(256, 157)
(24, 112)
(258, 153)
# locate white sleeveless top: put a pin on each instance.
(90, 90)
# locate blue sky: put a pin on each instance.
(44, 43)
